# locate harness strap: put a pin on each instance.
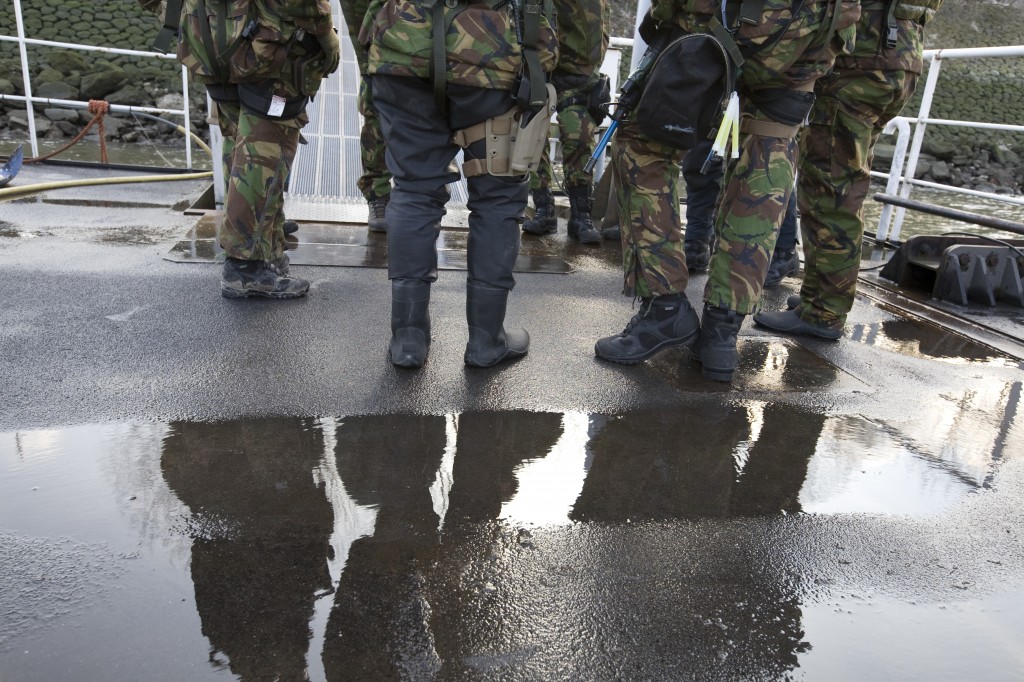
(728, 42)
(891, 29)
(169, 31)
(533, 71)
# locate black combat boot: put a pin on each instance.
(544, 220)
(611, 233)
(581, 226)
(489, 341)
(716, 345)
(290, 227)
(698, 254)
(376, 222)
(784, 264)
(663, 321)
(245, 278)
(410, 322)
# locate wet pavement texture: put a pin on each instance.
(197, 488)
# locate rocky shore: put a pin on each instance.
(981, 90)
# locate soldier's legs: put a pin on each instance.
(652, 248)
(263, 152)
(648, 203)
(754, 201)
(702, 193)
(852, 109)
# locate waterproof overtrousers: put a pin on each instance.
(489, 341)
(410, 322)
(544, 220)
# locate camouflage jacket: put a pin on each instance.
(871, 52)
(266, 51)
(482, 48)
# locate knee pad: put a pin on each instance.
(785, 109)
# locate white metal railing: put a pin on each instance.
(900, 178)
(31, 101)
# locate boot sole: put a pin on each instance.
(635, 360)
(511, 355)
(227, 292)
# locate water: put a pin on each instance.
(513, 545)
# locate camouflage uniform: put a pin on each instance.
(865, 90)
(261, 143)
(785, 50)
(375, 182)
(791, 45)
(421, 119)
(582, 43)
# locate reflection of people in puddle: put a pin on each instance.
(700, 463)
(392, 598)
(261, 529)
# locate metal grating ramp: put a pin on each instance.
(323, 183)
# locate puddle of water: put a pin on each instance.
(882, 639)
(276, 540)
(924, 341)
(88, 203)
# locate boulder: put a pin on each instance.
(59, 90)
(55, 114)
(47, 76)
(129, 95)
(68, 62)
(101, 83)
(172, 100)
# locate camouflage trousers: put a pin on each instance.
(577, 131)
(787, 50)
(258, 154)
(582, 43)
(375, 181)
(850, 113)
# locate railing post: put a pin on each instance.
(899, 155)
(639, 46)
(188, 118)
(915, 147)
(29, 108)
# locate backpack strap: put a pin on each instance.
(169, 31)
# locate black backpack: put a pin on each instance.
(686, 91)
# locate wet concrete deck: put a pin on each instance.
(196, 488)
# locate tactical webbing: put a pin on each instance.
(533, 71)
(207, 37)
(440, 18)
(728, 42)
(891, 29)
(169, 32)
(756, 126)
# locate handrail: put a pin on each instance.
(30, 100)
(901, 175)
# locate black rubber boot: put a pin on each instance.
(377, 207)
(784, 264)
(662, 322)
(716, 345)
(544, 220)
(581, 225)
(410, 322)
(489, 341)
(263, 279)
